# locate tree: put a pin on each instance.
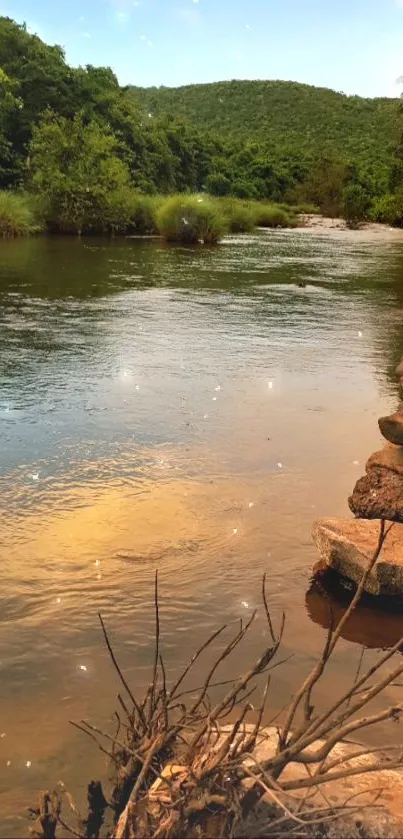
(355, 204)
(42, 78)
(9, 106)
(218, 184)
(75, 168)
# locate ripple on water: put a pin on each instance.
(110, 356)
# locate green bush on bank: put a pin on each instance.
(191, 219)
(18, 215)
(307, 209)
(238, 214)
(125, 211)
(388, 210)
(130, 212)
(272, 215)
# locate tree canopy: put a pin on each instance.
(277, 141)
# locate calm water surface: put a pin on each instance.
(182, 409)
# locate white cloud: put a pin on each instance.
(149, 43)
(122, 17)
(86, 35)
(143, 38)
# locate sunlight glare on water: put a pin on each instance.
(110, 353)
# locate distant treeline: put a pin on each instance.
(78, 141)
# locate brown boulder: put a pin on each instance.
(378, 495)
(392, 427)
(348, 545)
(390, 457)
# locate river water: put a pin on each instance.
(186, 410)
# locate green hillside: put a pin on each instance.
(82, 144)
(285, 115)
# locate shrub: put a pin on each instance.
(388, 210)
(18, 215)
(128, 211)
(244, 189)
(191, 219)
(239, 216)
(271, 215)
(218, 184)
(307, 209)
(355, 204)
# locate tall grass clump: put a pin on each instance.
(307, 209)
(238, 214)
(191, 219)
(130, 212)
(18, 215)
(271, 215)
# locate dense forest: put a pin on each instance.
(87, 149)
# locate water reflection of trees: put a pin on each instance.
(274, 278)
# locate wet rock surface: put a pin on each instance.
(347, 546)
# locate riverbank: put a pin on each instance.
(187, 218)
(176, 769)
(190, 219)
(323, 224)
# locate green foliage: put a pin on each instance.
(17, 215)
(294, 119)
(355, 204)
(75, 168)
(388, 209)
(239, 216)
(325, 184)
(269, 215)
(307, 209)
(128, 211)
(272, 142)
(218, 184)
(191, 219)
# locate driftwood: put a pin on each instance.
(180, 770)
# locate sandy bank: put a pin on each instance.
(322, 224)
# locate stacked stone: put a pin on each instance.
(347, 545)
(379, 494)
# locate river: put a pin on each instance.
(186, 410)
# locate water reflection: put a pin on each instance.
(180, 408)
(374, 624)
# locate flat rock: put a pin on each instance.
(392, 427)
(348, 545)
(385, 783)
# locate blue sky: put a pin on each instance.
(351, 45)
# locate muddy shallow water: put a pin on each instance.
(182, 409)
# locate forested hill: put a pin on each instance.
(286, 115)
(284, 142)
